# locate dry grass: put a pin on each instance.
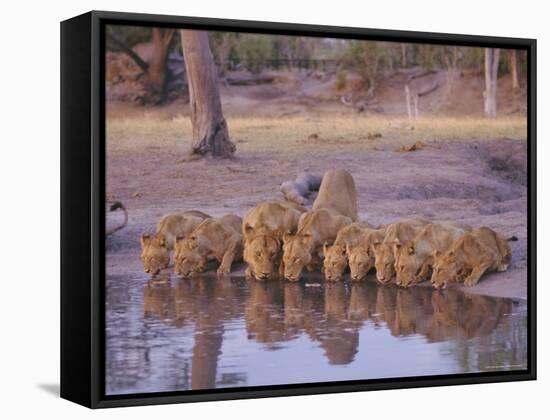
(306, 134)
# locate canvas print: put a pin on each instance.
(292, 210)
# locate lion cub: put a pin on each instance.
(415, 259)
(263, 228)
(218, 238)
(155, 251)
(397, 234)
(336, 255)
(470, 256)
(361, 255)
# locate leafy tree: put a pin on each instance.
(254, 50)
(367, 58)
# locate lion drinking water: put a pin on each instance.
(336, 255)
(334, 208)
(218, 238)
(361, 255)
(155, 251)
(397, 234)
(263, 229)
(415, 259)
(473, 254)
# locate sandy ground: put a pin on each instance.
(480, 182)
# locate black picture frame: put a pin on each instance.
(83, 201)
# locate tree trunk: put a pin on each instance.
(210, 133)
(156, 73)
(514, 69)
(492, 56)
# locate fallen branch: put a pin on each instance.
(418, 75)
(362, 104)
(249, 80)
(429, 89)
(243, 171)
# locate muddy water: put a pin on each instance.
(179, 334)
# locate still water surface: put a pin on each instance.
(178, 334)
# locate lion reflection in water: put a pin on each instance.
(329, 314)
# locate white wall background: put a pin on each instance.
(29, 169)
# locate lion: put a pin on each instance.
(271, 216)
(337, 193)
(302, 249)
(414, 260)
(155, 251)
(397, 234)
(334, 208)
(470, 256)
(263, 228)
(361, 255)
(218, 238)
(335, 255)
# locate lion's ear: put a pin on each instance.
(287, 236)
(248, 229)
(145, 238)
(161, 239)
(410, 250)
(326, 247)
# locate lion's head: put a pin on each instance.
(445, 269)
(154, 253)
(296, 254)
(406, 266)
(335, 261)
(186, 256)
(384, 261)
(361, 260)
(262, 254)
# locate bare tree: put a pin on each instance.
(492, 56)
(417, 85)
(210, 133)
(514, 69)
